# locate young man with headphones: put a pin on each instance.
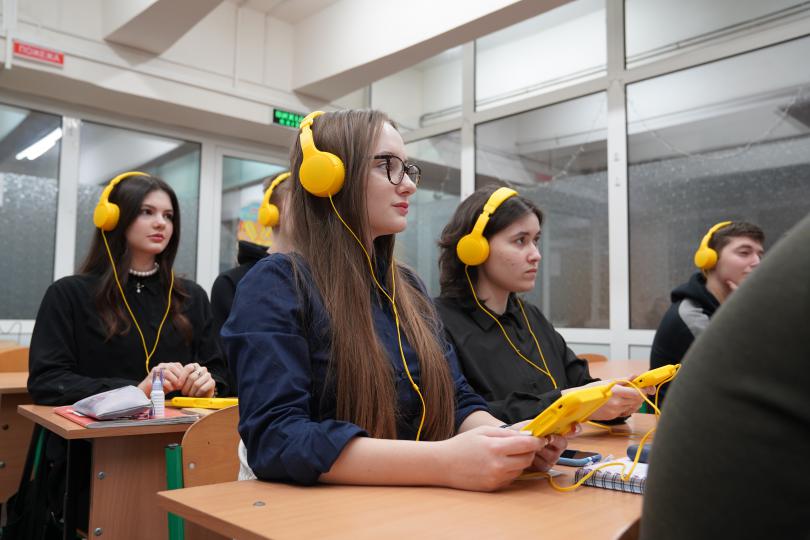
(727, 254)
(508, 350)
(344, 376)
(270, 212)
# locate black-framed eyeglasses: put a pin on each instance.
(397, 169)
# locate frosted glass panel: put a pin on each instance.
(557, 156)
(432, 205)
(28, 194)
(107, 151)
(723, 141)
(558, 48)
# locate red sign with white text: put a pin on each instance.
(41, 54)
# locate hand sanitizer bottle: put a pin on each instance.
(157, 396)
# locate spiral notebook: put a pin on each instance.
(611, 477)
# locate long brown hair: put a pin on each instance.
(360, 368)
(452, 281)
(129, 195)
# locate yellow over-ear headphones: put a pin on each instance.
(321, 173)
(105, 216)
(706, 257)
(268, 212)
(473, 248)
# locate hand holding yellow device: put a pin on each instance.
(572, 408)
(203, 403)
(656, 376)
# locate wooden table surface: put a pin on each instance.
(67, 429)
(618, 368)
(255, 510)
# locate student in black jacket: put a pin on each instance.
(727, 254)
(523, 375)
(112, 324)
(271, 214)
(730, 452)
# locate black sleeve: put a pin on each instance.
(670, 344)
(53, 377)
(207, 350)
(221, 300)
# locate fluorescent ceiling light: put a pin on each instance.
(41, 146)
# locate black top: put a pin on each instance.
(688, 316)
(224, 289)
(69, 358)
(730, 456)
(513, 389)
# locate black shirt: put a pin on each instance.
(513, 389)
(70, 359)
(224, 289)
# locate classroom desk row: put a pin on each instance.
(129, 469)
(254, 510)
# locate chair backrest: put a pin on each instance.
(210, 449)
(593, 357)
(13, 359)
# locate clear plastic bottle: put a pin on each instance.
(157, 396)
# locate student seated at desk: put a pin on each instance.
(731, 451)
(270, 214)
(328, 337)
(124, 316)
(728, 253)
(508, 351)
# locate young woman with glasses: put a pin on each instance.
(344, 376)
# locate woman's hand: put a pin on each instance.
(174, 375)
(197, 382)
(488, 458)
(624, 401)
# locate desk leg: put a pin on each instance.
(14, 430)
(127, 472)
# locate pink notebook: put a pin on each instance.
(173, 416)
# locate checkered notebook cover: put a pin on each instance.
(611, 477)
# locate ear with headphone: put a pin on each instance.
(106, 214)
(706, 257)
(473, 248)
(321, 173)
(269, 212)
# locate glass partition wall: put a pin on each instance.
(634, 126)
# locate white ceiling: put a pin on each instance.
(290, 11)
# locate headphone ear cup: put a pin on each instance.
(268, 215)
(705, 258)
(322, 174)
(105, 216)
(472, 249)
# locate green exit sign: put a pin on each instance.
(287, 118)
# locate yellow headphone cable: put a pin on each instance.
(137, 326)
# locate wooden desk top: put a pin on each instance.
(254, 510)
(618, 368)
(14, 382)
(44, 416)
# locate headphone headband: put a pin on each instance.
(321, 173)
(105, 215)
(269, 213)
(706, 257)
(473, 248)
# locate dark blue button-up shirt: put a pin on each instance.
(280, 338)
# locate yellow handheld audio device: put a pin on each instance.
(656, 376)
(572, 408)
(203, 403)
